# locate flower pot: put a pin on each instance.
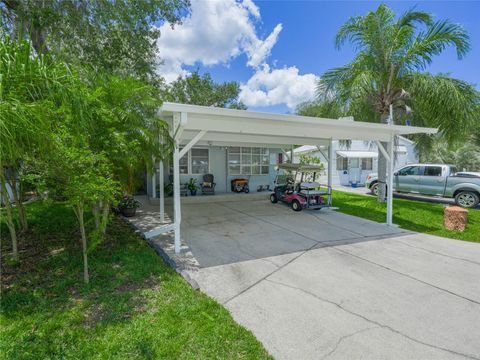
(193, 192)
(129, 212)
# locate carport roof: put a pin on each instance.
(230, 127)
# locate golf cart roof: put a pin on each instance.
(301, 167)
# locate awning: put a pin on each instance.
(357, 154)
(367, 154)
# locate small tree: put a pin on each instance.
(88, 179)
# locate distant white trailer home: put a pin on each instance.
(353, 161)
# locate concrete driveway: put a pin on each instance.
(323, 285)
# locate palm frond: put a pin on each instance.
(411, 16)
(443, 102)
(432, 42)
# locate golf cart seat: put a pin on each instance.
(309, 185)
(208, 186)
(309, 188)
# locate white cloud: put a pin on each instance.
(218, 31)
(268, 87)
(215, 32)
(259, 50)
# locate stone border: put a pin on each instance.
(164, 247)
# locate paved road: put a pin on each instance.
(365, 296)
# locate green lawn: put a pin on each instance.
(412, 215)
(135, 306)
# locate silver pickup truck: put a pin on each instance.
(434, 180)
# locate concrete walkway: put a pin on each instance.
(333, 286)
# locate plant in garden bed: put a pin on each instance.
(128, 206)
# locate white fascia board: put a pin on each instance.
(313, 131)
(295, 120)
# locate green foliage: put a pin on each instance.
(110, 36)
(310, 160)
(465, 156)
(323, 108)
(76, 135)
(202, 90)
(27, 89)
(192, 184)
(134, 307)
(392, 55)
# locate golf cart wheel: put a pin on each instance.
(296, 206)
(273, 199)
(247, 190)
(467, 199)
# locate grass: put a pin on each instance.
(134, 307)
(411, 215)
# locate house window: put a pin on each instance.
(367, 164)
(342, 163)
(248, 161)
(195, 162)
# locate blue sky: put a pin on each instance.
(276, 49)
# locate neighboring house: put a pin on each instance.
(355, 162)
(257, 164)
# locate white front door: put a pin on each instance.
(354, 170)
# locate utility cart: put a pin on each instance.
(296, 185)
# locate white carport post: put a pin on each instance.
(391, 159)
(330, 170)
(154, 180)
(161, 184)
(179, 121)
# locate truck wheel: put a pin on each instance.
(467, 199)
(273, 199)
(296, 206)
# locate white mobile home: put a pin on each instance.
(353, 161)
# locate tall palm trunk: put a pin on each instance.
(382, 167)
(9, 211)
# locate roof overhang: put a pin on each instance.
(230, 127)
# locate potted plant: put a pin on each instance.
(128, 206)
(192, 186)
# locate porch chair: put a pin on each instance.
(208, 186)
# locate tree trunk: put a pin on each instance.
(96, 214)
(382, 168)
(79, 212)
(17, 197)
(10, 222)
(104, 219)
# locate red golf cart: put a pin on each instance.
(295, 185)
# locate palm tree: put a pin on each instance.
(392, 54)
